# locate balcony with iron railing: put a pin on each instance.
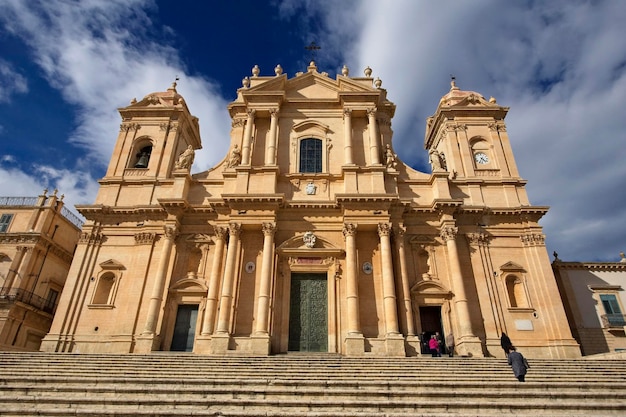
(32, 202)
(8, 297)
(613, 320)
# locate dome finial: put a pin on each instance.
(453, 83)
(174, 84)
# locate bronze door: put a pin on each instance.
(308, 313)
(185, 328)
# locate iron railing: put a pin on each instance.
(32, 202)
(27, 297)
(613, 320)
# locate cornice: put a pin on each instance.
(593, 266)
(99, 212)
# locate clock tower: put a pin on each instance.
(468, 136)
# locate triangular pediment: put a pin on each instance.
(511, 266)
(111, 264)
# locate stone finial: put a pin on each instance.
(623, 257)
(312, 67)
(245, 82)
(492, 100)
(453, 83)
(255, 71)
(345, 71)
(377, 82)
(278, 69)
(133, 101)
(368, 72)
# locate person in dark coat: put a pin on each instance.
(518, 364)
(506, 344)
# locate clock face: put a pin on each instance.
(481, 158)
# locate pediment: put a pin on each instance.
(112, 264)
(429, 287)
(473, 100)
(512, 266)
(303, 241)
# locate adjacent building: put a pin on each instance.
(594, 300)
(38, 236)
(311, 235)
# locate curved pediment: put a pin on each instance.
(312, 125)
(431, 288)
(190, 283)
(309, 244)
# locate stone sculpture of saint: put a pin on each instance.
(185, 160)
(435, 160)
(390, 157)
(235, 157)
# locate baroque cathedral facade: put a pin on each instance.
(311, 235)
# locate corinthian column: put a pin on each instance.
(214, 281)
(247, 139)
(347, 132)
(229, 277)
(270, 154)
(448, 234)
(263, 302)
(352, 293)
(407, 317)
(157, 290)
(389, 291)
(373, 131)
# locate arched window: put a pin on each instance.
(142, 157)
(311, 155)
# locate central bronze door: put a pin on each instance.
(308, 316)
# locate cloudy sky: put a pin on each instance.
(560, 65)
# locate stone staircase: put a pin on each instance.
(169, 384)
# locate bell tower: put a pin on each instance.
(154, 133)
(467, 137)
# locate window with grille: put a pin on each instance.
(5, 220)
(311, 155)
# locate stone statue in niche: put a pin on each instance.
(185, 160)
(235, 157)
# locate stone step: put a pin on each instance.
(303, 385)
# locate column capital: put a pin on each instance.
(234, 229)
(533, 239)
(220, 232)
(269, 228)
(384, 229)
(448, 232)
(251, 113)
(171, 231)
(347, 112)
(477, 238)
(349, 229)
(274, 112)
(371, 112)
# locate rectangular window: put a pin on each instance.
(311, 155)
(612, 309)
(5, 220)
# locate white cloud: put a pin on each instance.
(99, 56)
(559, 65)
(11, 82)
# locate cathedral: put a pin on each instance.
(311, 235)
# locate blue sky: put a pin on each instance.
(560, 65)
